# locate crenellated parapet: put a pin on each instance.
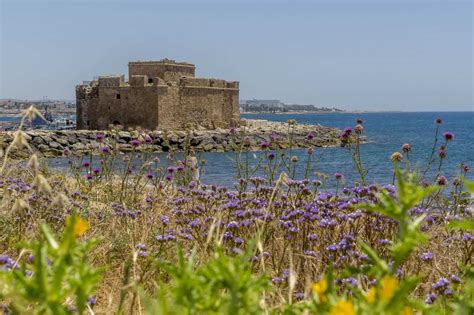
(193, 82)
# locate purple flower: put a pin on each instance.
(135, 142)
(441, 283)
(105, 149)
(89, 176)
(431, 298)
(264, 145)
(99, 137)
(448, 136)
(428, 256)
(332, 248)
(441, 180)
(165, 238)
(455, 279)
(299, 295)
(149, 175)
(233, 130)
(271, 155)
(86, 164)
(91, 301)
(238, 241)
(448, 291)
(148, 139)
(293, 229)
(66, 151)
(140, 246)
(467, 237)
(96, 171)
(277, 280)
(424, 183)
(338, 176)
(171, 169)
(149, 199)
(310, 136)
(232, 225)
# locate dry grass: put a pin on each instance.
(118, 236)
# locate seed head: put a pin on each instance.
(396, 157)
(359, 129)
(406, 148)
(441, 180)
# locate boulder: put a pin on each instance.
(55, 145)
(78, 146)
(38, 140)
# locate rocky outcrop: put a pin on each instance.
(253, 135)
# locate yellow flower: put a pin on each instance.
(320, 287)
(80, 226)
(343, 308)
(370, 295)
(407, 311)
(389, 284)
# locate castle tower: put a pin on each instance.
(166, 69)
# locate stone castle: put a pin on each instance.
(158, 95)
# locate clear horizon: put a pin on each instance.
(355, 55)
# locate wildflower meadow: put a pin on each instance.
(110, 237)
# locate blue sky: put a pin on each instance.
(359, 55)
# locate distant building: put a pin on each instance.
(262, 105)
(267, 103)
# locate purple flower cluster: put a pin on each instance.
(320, 220)
(428, 256)
(7, 263)
(121, 211)
(442, 287)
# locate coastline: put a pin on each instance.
(250, 137)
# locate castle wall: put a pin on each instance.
(209, 102)
(87, 97)
(170, 113)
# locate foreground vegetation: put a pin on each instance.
(124, 234)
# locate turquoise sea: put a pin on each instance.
(386, 133)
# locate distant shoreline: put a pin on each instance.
(320, 113)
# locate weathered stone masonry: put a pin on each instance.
(158, 94)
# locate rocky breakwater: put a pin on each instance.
(251, 136)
